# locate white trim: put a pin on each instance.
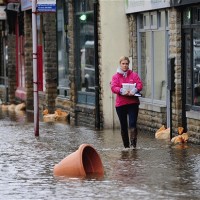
(133, 6)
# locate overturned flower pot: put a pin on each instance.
(83, 162)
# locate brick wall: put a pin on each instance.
(11, 68)
(194, 129)
(28, 59)
(100, 69)
(50, 60)
(175, 51)
(152, 117)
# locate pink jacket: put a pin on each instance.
(116, 84)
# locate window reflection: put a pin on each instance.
(187, 58)
(87, 67)
(62, 45)
(84, 45)
(196, 65)
(153, 56)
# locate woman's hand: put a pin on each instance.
(133, 91)
(124, 91)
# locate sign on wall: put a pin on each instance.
(42, 5)
(133, 6)
(2, 13)
(46, 5)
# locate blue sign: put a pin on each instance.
(46, 7)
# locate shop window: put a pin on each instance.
(20, 60)
(196, 66)
(162, 19)
(187, 16)
(141, 24)
(192, 58)
(187, 62)
(153, 57)
(62, 49)
(146, 21)
(3, 55)
(167, 19)
(154, 21)
(195, 15)
(84, 46)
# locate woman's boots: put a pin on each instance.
(133, 137)
(125, 139)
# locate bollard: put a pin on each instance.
(83, 162)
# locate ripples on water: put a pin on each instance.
(156, 170)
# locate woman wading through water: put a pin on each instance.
(126, 84)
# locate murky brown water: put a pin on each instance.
(156, 170)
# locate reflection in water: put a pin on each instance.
(155, 170)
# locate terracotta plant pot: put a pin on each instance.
(83, 162)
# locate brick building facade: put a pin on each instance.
(94, 107)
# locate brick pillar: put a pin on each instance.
(132, 20)
(28, 50)
(11, 68)
(50, 60)
(73, 95)
(175, 51)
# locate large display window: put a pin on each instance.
(191, 30)
(152, 59)
(84, 51)
(62, 49)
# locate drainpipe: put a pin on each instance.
(97, 87)
(35, 78)
(171, 87)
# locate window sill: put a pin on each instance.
(193, 114)
(152, 106)
(62, 97)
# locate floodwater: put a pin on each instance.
(155, 170)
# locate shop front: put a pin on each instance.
(190, 12)
(3, 55)
(150, 23)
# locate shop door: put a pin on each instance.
(20, 92)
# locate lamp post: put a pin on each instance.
(35, 77)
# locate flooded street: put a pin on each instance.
(156, 170)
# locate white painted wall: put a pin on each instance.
(114, 44)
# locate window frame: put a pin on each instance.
(152, 29)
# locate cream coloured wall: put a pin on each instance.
(114, 43)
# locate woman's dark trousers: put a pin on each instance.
(128, 114)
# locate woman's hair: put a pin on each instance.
(124, 58)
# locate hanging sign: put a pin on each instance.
(26, 5)
(46, 5)
(133, 6)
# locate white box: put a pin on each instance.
(128, 86)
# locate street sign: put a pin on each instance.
(46, 6)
